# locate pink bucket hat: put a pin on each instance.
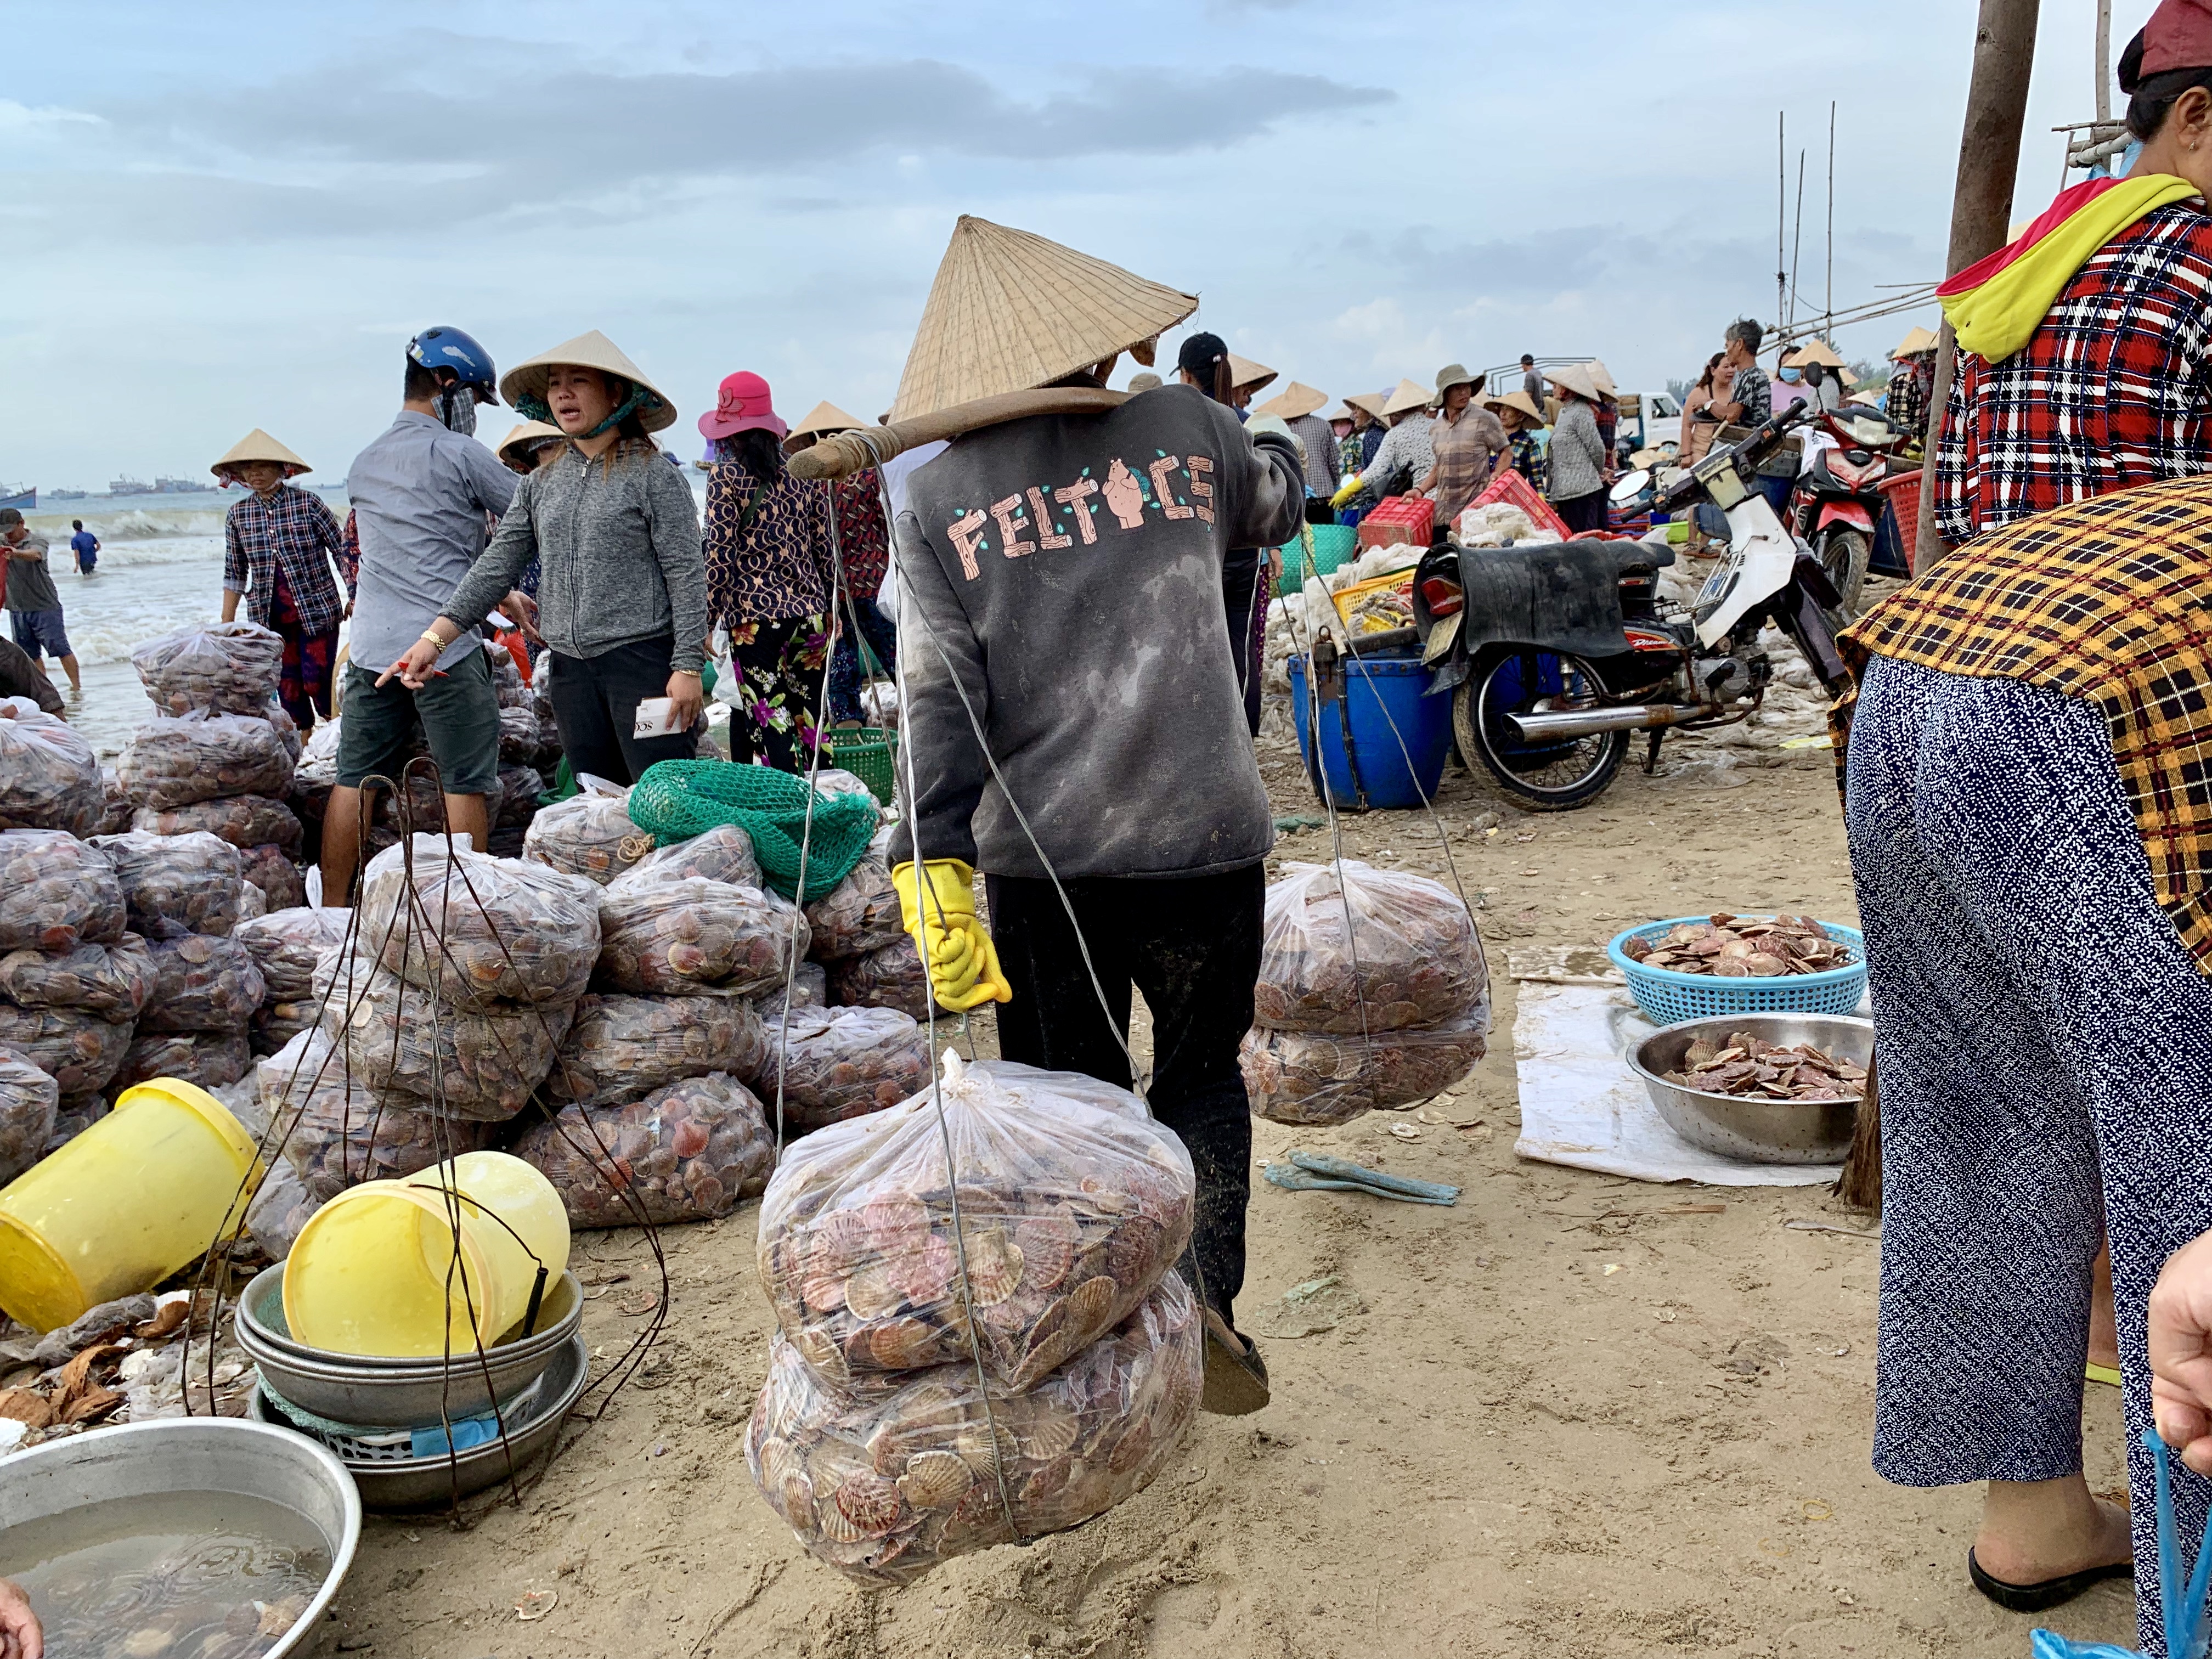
(744, 403)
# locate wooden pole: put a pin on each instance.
(1981, 199)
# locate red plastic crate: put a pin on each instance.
(1511, 487)
(1399, 520)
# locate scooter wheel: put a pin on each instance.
(1844, 554)
(1542, 777)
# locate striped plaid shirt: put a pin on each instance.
(293, 534)
(2108, 600)
(2112, 391)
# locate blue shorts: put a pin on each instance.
(40, 630)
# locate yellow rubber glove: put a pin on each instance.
(962, 964)
(1345, 491)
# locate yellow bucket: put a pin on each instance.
(375, 1270)
(119, 1209)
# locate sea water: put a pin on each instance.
(208, 1574)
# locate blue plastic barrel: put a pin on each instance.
(1379, 695)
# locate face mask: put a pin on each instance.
(1792, 375)
(2128, 157)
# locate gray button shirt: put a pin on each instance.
(419, 494)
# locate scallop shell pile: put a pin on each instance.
(838, 1063)
(1409, 956)
(690, 1151)
(588, 835)
(1743, 947)
(287, 944)
(888, 1478)
(621, 1048)
(49, 778)
(675, 935)
(28, 1099)
(80, 1051)
(268, 871)
(111, 980)
(1752, 1069)
(176, 884)
(55, 893)
(214, 1060)
(202, 984)
(1314, 1078)
(478, 930)
(724, 853)
(231, 667)
(890, 978)
(337, 1134)
(174, 761)
(479, 1063)
(244, 821)
(859, 915)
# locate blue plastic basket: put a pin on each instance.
(1668, 997)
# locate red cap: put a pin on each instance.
(743, 405)
(2179, 36)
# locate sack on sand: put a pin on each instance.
(480, 930)
(214, 1060)
(724, 853)
(176, 761)
(176, 884)
(671, 936)
(56, 892)
(288, 943)
(29, 1097)
(80, 1051)
(859, 915)
(1311, 1077)
(890, 978)
(1412, 956)
(586, 835)
(621, 1048)
(338, 1133)
(886, 1477)
(690, 1151)
(231, 668)
(202, 984)
(479, 1064)
(49, 776)
(1072, 1199)
(843, 1062)
(111, 980)
(244, 821)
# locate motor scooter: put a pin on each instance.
(1838, 502)
(1554, 652)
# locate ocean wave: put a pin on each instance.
(136, 524)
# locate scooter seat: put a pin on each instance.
(1556, 595)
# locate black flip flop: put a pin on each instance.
(2035, 1598)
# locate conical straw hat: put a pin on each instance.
(1372, 402)
(259, 446)
(1407, 396)
(1011, 312)
(1921, 339)
(528, 436)
(592, 350)
(1601, 378)
(1817, 351)
(1293, 400)
(825, 417)
(1516, 398)
(1577, 378)
(1245, 374)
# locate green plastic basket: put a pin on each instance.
(870, 753)
(1332, 544)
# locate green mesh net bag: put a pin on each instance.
(677, 799)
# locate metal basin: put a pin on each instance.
(383, 1397)
(418, 1483)
(195, 1454)
(1757, 1131)
(261, 1321)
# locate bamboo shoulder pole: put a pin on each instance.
(848, 451)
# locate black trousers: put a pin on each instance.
(1241, 577)
(1583, 513)
(1192, 945)
(595, 702)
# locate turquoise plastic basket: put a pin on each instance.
(1333, 543)
(1667, 998)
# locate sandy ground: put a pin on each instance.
(1572, 1416)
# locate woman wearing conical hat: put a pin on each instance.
(279, 545)
(1059, 579)
(621, 599)
(1406, 452)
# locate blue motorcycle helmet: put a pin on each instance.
(434, 349)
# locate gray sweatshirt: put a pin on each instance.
(620, 553)
(1068, 569)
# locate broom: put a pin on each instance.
(845, 452)
(1860, 1185)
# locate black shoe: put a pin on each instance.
(2035, 1598)
(1235, 1375)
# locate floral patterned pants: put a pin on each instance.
(781, 665)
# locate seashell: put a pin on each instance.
(868, 1501)
(935, 1479)
(841, 1238)
(1105, 1200)
(894, 1221)
(778, 1460)
(1046, 1431)
(1764, 966)
(902, 1343)
(1047, 1482)
(1130, 1449)
(870, 1293)
(797, 1493)
(820, 1350)
(923, 1270)
(1089, 1303)
(973, 1444)
(1047, 1355)
(1132, 1252)
(1048, 1244)
(994, 1266)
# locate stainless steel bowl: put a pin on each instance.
(261, 1322)
(418, 1483)
(385, 1397)
(195, 1455)
(1757, 1131)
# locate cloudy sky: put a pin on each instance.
(216, 225)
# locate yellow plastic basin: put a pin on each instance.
(381, 1270)
(136, 1196)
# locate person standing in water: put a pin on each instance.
(278, 547)
(86, 546)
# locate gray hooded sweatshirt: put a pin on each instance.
(1064, 572)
